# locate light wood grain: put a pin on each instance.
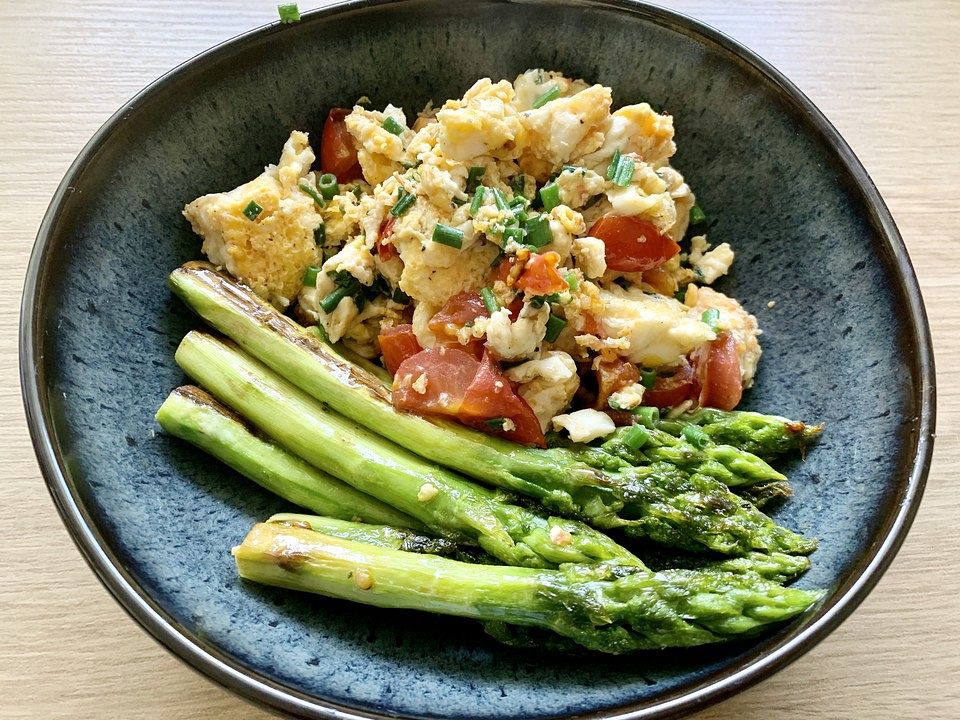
(886, 74)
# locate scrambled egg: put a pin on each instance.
(268, 249)
(446, 200)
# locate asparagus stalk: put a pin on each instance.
(193, 415)
(764, 435)
(613, 609)
(775, 567)
(444, 502)
(378, 535)
(730, 465)
(676, 508)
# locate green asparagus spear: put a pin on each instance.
(192, 415)
(379, 535)
(610, 608)
(775, 567)
(732, 466)
(764, 493)
(441, 500)
(764, 435)
(657, 501)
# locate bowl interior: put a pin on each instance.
(812, 263)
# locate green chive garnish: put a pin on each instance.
(252, 210)
(696, 436)
(449, 236)
(489, 301)
(681, 294)
(711, 317)
(519, 185)
(555, 326)
(477, 202)
(328, 185)
(317, 198)
(473, 177)
(550, 196)
(620, 171)
(538, 231)
(495, 423)
(393, 127)
(404, 202)
(697, 215)
(289, 13)
(552, 94)
(648, 378)
(572, 282)
(331, 301)
(400, 297)
(513, 233)
(310, 276)
(648, 416)
(636, 437)
(320, 234)
(500, 200)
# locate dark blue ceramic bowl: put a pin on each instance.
(846, 343)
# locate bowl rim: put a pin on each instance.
(204, 657)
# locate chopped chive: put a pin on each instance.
(478, 198)
(538, 301)
(555, 326)
(500, 200)
(489, 301)
(648, 416)
(320, 234)
(499, 258)
(572, 282)
(538, 231)
(473, 177)
(328, 185)
(636, 437)
(252, 210)
(400, 297)
(648, 378)
(404, 202)
(696, 436)
(552, 94)
(681, 294)
(289, 13)
(550, 196)
(357, 191)
(449, 236)
(317, 198)
(331, 301)
(310, 276)
(393, 127)
(496, 423)
(711, 317)
(519, 185)
(513, 233)
(620, 171)
(697, 215)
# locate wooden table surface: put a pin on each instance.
(885, 73)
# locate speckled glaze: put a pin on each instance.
(846, 343)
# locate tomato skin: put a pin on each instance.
(396, 345)
(449, 372)
(612, 376)
(540, 276)
(718, 371)
(460, 310)
(632, 244)
(386, 251)
(671, 390)
(473, 391)
(490, 396)
(338, 154)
